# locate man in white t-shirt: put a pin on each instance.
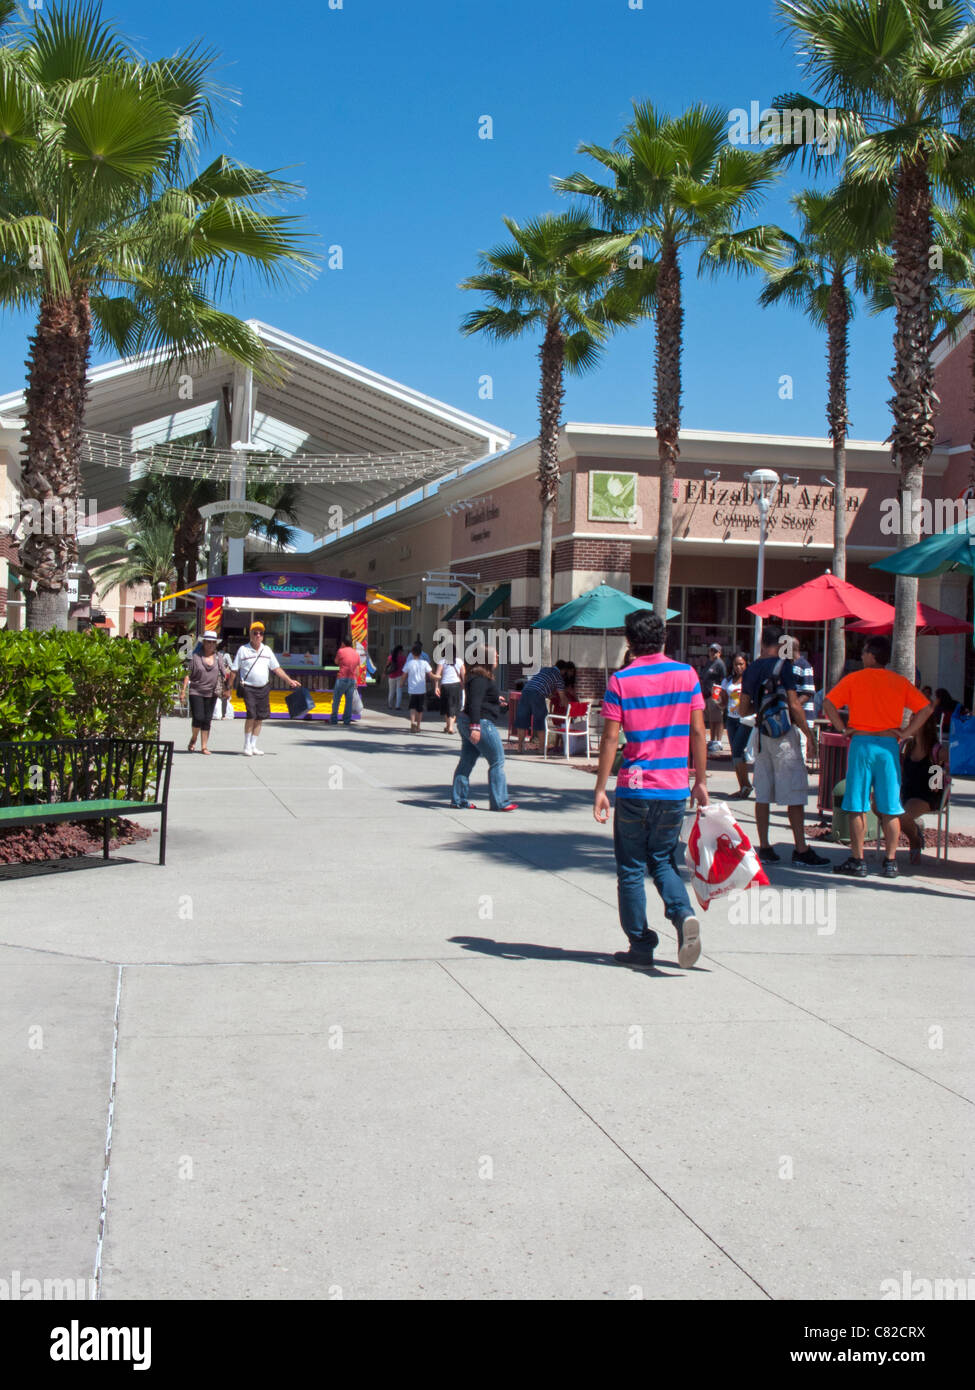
(416, 670)
(254, 662)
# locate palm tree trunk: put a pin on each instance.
(971, 465)
(669, 332)
(550, 393)
(57, 391)
(837, 414)
(913, 402)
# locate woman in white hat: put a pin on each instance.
(204, 680)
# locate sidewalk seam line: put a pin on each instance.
(847, 1034)
(605, 1132)
(109, 1133)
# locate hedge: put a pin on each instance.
(81, 684)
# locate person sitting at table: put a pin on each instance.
(923, 761)
(560, 702)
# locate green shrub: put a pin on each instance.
(83, 684)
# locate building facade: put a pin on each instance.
(479, 533)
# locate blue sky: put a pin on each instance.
(375, 108)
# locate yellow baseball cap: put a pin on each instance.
(258, 626)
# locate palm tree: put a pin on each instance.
(899, 80)
(677, 182)
(177, 500)
(144, 557)
(834, 255)
(952, 281)
(109, 233)
(548, 280)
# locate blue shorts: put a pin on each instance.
(873, 763)
(531, 709)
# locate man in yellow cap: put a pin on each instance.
(254, 662)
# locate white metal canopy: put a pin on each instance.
(347, 436)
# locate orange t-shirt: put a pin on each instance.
(876, 698)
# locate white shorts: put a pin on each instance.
(780, 771)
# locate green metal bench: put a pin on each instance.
(48, 780)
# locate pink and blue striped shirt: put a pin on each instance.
(653, 699)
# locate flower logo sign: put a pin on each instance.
(612, 497)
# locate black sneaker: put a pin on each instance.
(768, 855)
(808, 856)
(889, 869)
(636, 960)
(852, 868)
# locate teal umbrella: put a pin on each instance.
(949, 550)
(597, 610)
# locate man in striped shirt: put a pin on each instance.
(532, 707)
(659, 705)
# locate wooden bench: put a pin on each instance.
(69, 779)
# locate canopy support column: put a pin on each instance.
(241, 427)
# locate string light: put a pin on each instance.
(221, 465)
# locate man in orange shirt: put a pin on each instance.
(876, 699)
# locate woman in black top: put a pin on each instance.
(943, 710)
(478, 728)
(922, 782)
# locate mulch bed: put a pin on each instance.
(31, 844)
(956, 840)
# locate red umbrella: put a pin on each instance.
(824, 598)
(931, 622)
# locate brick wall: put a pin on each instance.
(518, 564)
(584, 554)
(590, 682)
(523, 617)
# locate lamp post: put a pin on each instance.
(762, 483)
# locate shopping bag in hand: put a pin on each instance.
(721, 855)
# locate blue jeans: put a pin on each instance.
(490, 748)
(345, 685)
(646, 838)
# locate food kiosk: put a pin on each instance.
(305, 618)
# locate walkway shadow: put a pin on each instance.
(529, 950)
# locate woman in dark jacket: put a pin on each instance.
(480, 737)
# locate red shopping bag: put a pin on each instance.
(722, 855)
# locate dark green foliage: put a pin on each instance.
(79, 684)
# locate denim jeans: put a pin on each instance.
(343, 686)
(490, 748)
(646, 838)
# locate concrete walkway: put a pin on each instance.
(350, 1042)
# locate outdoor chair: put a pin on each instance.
(571, 726)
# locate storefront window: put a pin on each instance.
(709, 616)
(304, 640)
(274, 630)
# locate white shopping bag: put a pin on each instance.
(751, 747)
(721, 855)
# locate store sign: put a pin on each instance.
(793, 509)
(443, 594)
(286, 587)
